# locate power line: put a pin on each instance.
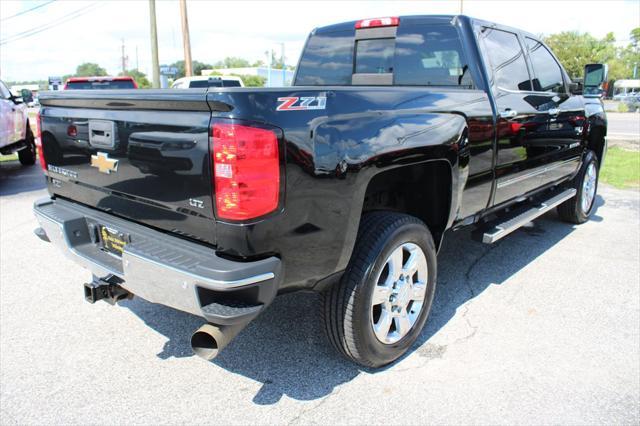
(28, 10)
(66, 18)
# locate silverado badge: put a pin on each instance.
(104, 163)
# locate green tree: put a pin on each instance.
(232, 62)
(197, 67)
(253, 80)
(141, 79)
(89, 69)
(575, 50)
(635, 38)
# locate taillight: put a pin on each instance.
(43, 161)
(392, 21)
(72, 131)
(246, 171)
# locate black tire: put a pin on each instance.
(572, 210)
(347, 305)
(27, 156)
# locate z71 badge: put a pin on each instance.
(295, 103)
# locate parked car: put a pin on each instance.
(207, 81)
(15, 131)
(395, 131)
(87, 83)
(633, 102)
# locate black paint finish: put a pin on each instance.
(329, 155)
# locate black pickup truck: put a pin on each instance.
(396, 130)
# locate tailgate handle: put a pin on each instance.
(102, 133)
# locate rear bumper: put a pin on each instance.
(159, 267)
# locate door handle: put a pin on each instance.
(508, 113)
(553, 111)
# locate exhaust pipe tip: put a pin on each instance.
(204, 342)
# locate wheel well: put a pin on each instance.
(421, 190)
(596, 142)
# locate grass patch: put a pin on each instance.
(12, 157)
(621, 168)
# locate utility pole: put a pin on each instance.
(284, 67)
(137, 64)
(269, 52)
(155, 63)
(124, 60)
(188, 69)
(461, 7)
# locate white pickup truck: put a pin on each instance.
(15, 133)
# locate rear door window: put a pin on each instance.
(504, 53)
(430, 56)
(547, 72)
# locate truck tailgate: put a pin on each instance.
(142, 155)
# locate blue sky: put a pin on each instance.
(248, 29)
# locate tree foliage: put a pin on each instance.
(141, 78)
(89, 69)
(196, 65)
(575, 50)
(232, 62)
(253, 80)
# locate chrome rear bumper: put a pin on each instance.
(159, 267)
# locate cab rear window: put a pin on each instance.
(419, 55)
(430, 56)
(88, 85)
(375, 56)
(327, 60)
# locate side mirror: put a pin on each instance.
(17, 100)
(27, 95)
(594, 76)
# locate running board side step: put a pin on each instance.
(505, 228)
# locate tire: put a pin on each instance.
(27, 156)
(578, 209)
(348, 308)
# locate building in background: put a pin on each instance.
(273, 77)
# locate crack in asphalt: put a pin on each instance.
(335, 392)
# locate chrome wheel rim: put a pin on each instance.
(399, 294)
(588, 188)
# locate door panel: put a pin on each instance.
(565, 113)
(521, 124)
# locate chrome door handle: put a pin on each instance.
(508, 113)
(553, 111)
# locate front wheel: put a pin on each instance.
(379, 307)
(577, 209)
(27, 156)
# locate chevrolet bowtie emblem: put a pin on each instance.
(104, 163)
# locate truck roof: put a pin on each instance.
(425, 20)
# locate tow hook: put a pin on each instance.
(107, 289)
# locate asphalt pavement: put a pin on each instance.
(541, 328)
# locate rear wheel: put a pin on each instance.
(578, 209)
(379, 307)
(27, 156)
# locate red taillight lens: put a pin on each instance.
(391, 21)
(43, 162)
(246, 171)
(72, 131)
